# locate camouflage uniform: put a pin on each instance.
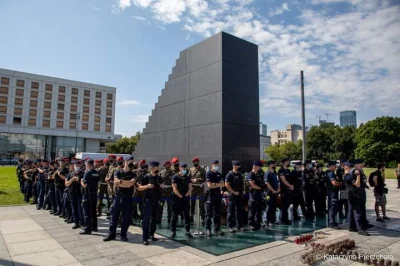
(138, 195)
(110, 184)
(197, 190)
(166, 177)
(103, 189)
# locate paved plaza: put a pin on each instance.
(31, 237)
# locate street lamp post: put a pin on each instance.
(77, 117)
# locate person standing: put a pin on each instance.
(59, 182)
(20, 175)
(213, 198)
(150, 202)
(110, 178)
(379, 193)
(343, 207)
(103, 193)
(124, 180)
(397, 174)
(310, 189)
(52, 188)
(89, 185)
(181, 184)
(29, 172)
(273, 186)
(257, 185)
(320, 202)
(333, 185)
(73, 183)
(198, 176)
(298, 192)
(166, 177)
(287, 187)
(41, 183)
(234, 183)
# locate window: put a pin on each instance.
(72, 125)
(102, 144)
(97, 127)
(108, 128)
(85, 118)
(74, 99)
(3, 109)
(47, 105)
(74, 91)
(61, 97)
(46, 123)
(33, 103)
(87, 93)
(108, 120)
(46, 114)
(19, 92)
(17, 120)
(72, 116)
(97, 111)
(17, 111)
(98, 102)
(98, 94)
(60, 124)
(3, 99)
(109, 104)
(74, 108)
(4, 90)
(60, 106)
(18, 101)
(5, 81)
(49, 87)
(60, 115)
(48, 96)
(97, 119)
(2, 119)
(32, 112)
(86, 101)
(32, 122)
(85, 126)
(109, 112)
(61, 89)
(35, 85)
(109, 96)
(86, 109)
(20, 83)
(34, 94)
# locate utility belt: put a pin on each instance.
(197, 185)
(167, 186)
(103, 184)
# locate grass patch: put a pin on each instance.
(9, 187)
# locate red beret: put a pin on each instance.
(142, 162)
(120, 158)
(167, 162)
(175, 160)
(98, 161)
(106, 160)
(112, 156)
(195, 159)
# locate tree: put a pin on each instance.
(378, 140)
(291, 150)
(124, 146)
(320, 141)
(274, 152)
(343, 143)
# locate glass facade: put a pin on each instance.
(39, 146)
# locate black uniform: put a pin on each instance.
(150, 205)
(181, 205)
(235, 205)
(298, 194)
(342, 202)
(286, 194)
(311, 191)
(213, 201)
(320, 203)
(75, 191)
(255, 200)
(89, 200)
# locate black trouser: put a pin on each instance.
(255, 213)
(89, 212)
(46, 202)
(320, 202)
(76, 207)
(354, 215)
(149, 217)
(271, 212)
(310, 199)
(235, 211)
(213, 206)
(28, 189)
(180, 205)
(363, 209)
(59, 199)
(35, 192)
(398, 182)
(343, 203)
(161, 209)
(122, 205)
(52, 198)
(286, 200)
(21, 183)
(298, 200)
(333, 204)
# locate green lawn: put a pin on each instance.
(9, 187)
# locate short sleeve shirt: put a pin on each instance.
(214, 177)
(182, 183)
(272, 179)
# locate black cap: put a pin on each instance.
(257, 163)
(90, 161)
(154, 164)
(183, 165)
(332, 163)
(214, 162)
(236, 162)
(285, 160)
(348, 164)
(271, 162)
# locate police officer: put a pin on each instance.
(181, 184)
(287, 187)
(257, 185)
(73, 184)
(234, 183)
(358, 165)
(273, 186)
(124, 180)
(20, 176)
(110, 178)
(150, 204)
(46, 201)
(198, 176)
(166, 177)
(102, 168)
(89, 185)
(333, 185)
(52, 188)
(59, 182)
(353, 181)
(68, 216)
(298, 192)
(343, 207)
(42, 170)
(213, 198)
(29, 172)
(379, 193)
(397, 174)
(138, 195)
(310, 183)
(35, 194)
(320, 202)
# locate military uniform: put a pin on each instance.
(166, 177)
(60, 187)
(89, 199)
(20, 176)
(103, 189)
(139, 195)
(41, 180)
(110, 182)
(197, 190)
(320, 203)
(272, 179)
(235, 205)
(52, 188)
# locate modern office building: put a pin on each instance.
(348, 118)
(47, 117)
(265, 141)
(292, 133)
(263, 129)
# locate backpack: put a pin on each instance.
(371, 179)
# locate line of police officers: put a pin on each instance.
(76, 193)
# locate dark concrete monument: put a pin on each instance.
(209, 107)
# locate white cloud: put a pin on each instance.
(139, 18)
(280, 10)
(168, 11)
(129, 102)
(122, 4)
(142, 3)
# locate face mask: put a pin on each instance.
(130, 165)
(176, 165)
(77, 168)
(309, 166)
(156, 171)
(184, 172)
(274, 168)
(120, 163)
(216, 168)
(168, 167)
(195, 164)
(144, 167)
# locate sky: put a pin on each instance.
(349, 50)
